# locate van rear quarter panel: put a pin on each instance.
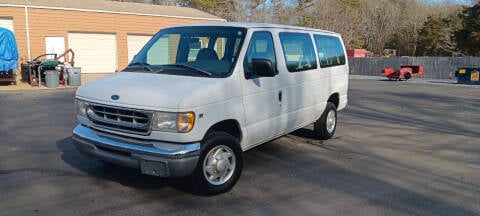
(339, 80)
(339, 83)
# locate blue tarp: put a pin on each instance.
(8, 51)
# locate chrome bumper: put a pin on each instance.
(151, 157)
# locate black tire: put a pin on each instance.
(407, 76)
(222, 141)
(321, 130)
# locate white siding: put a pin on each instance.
(6, 23)
(55, 45)
(94, 53)
(135, 43)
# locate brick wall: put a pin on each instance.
(52, 22)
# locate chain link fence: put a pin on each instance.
(434, 67)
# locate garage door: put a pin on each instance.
(6, 23)
(94, 53)
(135, 43)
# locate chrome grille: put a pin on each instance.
(119, 118)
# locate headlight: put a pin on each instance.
(81, 107)
(173, 122)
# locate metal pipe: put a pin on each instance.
(27, 27)
(28, 30)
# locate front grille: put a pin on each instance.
(120, 119)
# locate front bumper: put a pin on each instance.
(151, 157)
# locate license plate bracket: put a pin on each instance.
(154, 168)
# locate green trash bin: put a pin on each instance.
(52, 78)
(74, 76)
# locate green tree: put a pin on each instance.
(436, 38)
(468, 38)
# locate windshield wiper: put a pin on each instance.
(146, 66)
(190, 67)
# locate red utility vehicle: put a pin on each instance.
(406, 72)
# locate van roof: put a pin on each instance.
(257, 25)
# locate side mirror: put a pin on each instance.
(263, 68)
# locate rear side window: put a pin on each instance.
(298, 51)
(329, 50)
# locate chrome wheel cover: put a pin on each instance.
(331, 121)
(219, 165)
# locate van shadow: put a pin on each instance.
(304, 133)
(123, 175)
(307, 133)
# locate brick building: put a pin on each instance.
(104, 35)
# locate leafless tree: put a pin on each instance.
(370, 24)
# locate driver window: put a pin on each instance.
(260, 47)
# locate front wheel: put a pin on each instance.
(220, 164)
(326, 125)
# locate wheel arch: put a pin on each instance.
(230, 126)
(334, 98)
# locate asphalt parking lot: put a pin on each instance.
(401, 148)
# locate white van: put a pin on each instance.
(197, 96)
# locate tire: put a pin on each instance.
(221, 160)
(407, 76)
(325, 126)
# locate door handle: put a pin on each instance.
(280, 96)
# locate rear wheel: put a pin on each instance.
(220, 164)
(407, 76)
(325, 127)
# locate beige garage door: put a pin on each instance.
(6, 23)
(94, 53)
(135, 43)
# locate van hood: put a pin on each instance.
(152, 91)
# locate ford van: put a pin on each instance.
(196, 96)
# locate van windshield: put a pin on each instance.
(191, 51)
